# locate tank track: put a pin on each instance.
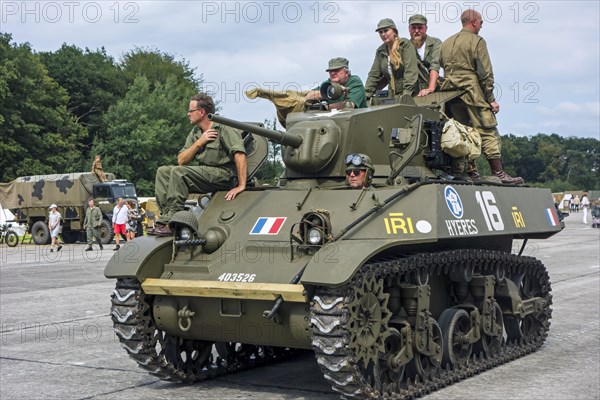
(332, 324)
(159, 353)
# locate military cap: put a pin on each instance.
(417, 19)
(337, 63)
(386, 23)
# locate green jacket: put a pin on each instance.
(431, 61)
(405, 76)
(356, 92)
(219, 152)
(466, 62)
(93, 218)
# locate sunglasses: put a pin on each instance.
(355, 171)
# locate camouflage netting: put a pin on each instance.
(285, 101)
(72, 189)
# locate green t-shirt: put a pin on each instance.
(356, 92)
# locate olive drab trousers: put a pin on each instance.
(174, 184)
(482, 119)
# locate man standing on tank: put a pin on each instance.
(354, 90)
(428, 54)
(220, 155)
(467, 65)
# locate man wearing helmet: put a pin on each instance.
(359, 170)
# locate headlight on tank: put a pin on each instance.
(315, 236)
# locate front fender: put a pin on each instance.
(336, 263)
(144, 257)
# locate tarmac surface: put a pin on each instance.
(57, 342)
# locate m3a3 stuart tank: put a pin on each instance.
(400, 288)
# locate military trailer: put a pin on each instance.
(29, 197)
(400, 288)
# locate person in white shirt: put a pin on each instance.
(119, 220)
(54, 219)
(584, 204)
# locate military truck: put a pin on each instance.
(29, 197)
(418, 281)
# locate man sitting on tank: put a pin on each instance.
(353, 95)
(220, 156)
(359, 171)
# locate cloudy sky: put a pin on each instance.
(545, 53)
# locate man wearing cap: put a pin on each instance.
(54, 227)
(359, 170)
(354, 90)
(428, 54)
(210, 160)
(91, 223)
(467, 65)
(395, 63)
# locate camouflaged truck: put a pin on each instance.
(29, 197)
(401, 288)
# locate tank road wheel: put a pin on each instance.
(532, 327)
(425, 365)
(11, 238)
(455, 324)
(40, 233)
(106, 232)
(490, 344)
(188, 356)
(389, 373)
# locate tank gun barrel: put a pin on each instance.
(286, 139)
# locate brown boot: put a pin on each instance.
(496, 166)
(472, 171)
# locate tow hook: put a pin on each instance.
(185, 318)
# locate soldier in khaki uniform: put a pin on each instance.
(428, 54)
(93, 219)
(395, 63)
(466, 62)
(220, 154)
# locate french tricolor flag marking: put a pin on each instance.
(268, 226)
(551, 217)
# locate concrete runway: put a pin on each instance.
(56, 338)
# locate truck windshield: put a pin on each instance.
(125, 191)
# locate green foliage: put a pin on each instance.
(146, 129)
(93, 81)
(273, 167)
(39, 135)
(157, 67)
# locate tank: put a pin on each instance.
(400, 288)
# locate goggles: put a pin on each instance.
(355, 159)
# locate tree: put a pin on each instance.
(146, 129)
(157, 67)
(39, 135)
(93, 81)
(273, 167)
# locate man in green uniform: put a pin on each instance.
(466, 62)
(354, 90)
(220, 154)
(428, 54)
(93, 219)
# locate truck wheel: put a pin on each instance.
(106, 232)
(40, 233)
(69, 236)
